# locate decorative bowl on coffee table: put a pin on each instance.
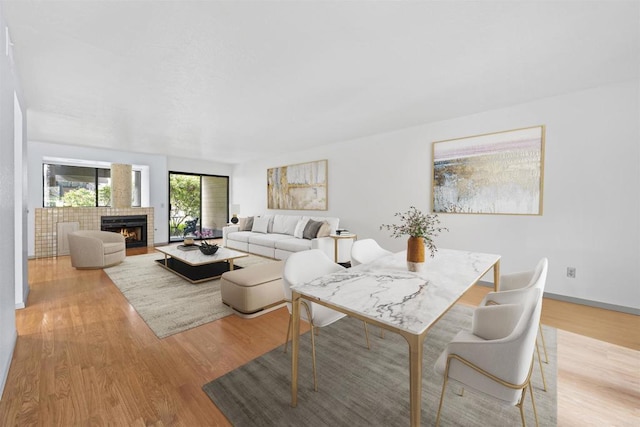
(208, 249)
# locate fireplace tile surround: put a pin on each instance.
(47, 219)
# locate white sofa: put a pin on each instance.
(280, 239)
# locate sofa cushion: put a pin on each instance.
(245, 224)
(333, 222)
(325, 230)
(311, 229)
(299, 231)
(240, 236)
(260, 225)
(293, 245)
(270, 219)
(285, 224)
(267, 240)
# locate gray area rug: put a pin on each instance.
(360, 387)
(166, 302)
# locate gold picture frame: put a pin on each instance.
(301, 186)
(495, 173)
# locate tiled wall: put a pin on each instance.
(47, 219)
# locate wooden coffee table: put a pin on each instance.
(194, 266)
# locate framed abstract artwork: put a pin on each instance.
(496, 173)
(301, 186)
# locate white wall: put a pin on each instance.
(21, 205)
(591, 214)
(8, 334)
(205, 167)
(157, 177)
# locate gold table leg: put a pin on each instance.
(496, 276)
(415, 376)
(295, 341)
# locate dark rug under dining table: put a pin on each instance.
(360, 387)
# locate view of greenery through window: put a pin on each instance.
(185, 201)
(199, 205)
(78, 186)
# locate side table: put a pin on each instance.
(336, 238)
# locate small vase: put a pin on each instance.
(415, 253)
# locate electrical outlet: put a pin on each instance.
(571, 272)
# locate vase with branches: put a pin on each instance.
(422, 229)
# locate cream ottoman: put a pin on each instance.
(255, 290)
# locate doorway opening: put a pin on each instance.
(198, 205)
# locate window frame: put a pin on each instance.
(136, 176)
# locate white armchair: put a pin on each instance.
(91, 249)
(302, 267)
(536, 278)
(525, 279)
(496, 356)
(366, 250)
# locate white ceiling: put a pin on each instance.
(235, 80)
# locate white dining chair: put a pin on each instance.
(303, 267)
(366, 250)
(496, 356)
(523, 280)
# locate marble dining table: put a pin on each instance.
(386, 294)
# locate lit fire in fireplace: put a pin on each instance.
(132, 227)
(130, 234)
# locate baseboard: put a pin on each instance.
(596, 304)
(22, 304)
(588, 303)
(6, 365)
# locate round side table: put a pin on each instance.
(340, 236)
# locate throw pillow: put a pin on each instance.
(244, 225)
(325, 230)
(494, 322)
(298, 232)
(311, 229)
(269, 218)
(260, 225)
(248, 225)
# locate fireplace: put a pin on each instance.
(132, 227)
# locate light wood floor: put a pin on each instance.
(84, 356)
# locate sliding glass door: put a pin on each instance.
(198, 205)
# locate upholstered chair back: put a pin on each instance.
(303, 267)
(501, 343)
(509, 282)
(366, 250)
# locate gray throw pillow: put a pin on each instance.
(248, 225)
(311, 229)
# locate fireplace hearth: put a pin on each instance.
(132, 227)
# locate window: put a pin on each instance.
(83, 186)
(199, 200)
